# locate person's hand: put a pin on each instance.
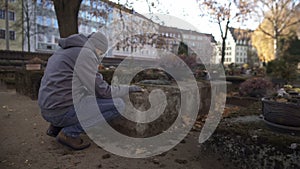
(134, 88)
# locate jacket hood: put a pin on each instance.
(76, 40)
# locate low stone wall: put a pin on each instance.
(28, 82)
(7, 78)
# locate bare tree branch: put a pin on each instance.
(223, 13)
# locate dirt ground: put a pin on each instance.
(24, 144)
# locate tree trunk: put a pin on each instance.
(277, 49)
(28, 29)
(67, 16)
(23, 29)
(28, 39)
(224, 37)
(223, 51)
(6, 25)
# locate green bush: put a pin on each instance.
(282, 69)
(285, 67)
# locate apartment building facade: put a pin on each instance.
(238, 49)
(132, 33)
(202, 44)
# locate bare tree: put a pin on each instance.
(67, 12)
(28, 22)
(281, 15)
(67, 15)
(26, 25)
(223, 13)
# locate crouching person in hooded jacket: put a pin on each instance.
(71, 78)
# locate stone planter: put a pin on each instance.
(141, 102)
(284, 115)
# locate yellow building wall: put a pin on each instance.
(15, 45)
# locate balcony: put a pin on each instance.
(46, 47)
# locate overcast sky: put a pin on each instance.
(187, 12)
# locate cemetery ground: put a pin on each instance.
(242, 140)
(24, 144)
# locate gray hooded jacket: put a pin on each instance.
(55, 93)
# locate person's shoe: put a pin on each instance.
(74, 143)
(53, 130)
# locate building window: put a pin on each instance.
(89, 29)
(12, 35)
(40, 20)
(41, 38)
(94, 29)
(48, 22)
(49, 39)
(56, 39)
(2, 14)
(55, 23)
(39, 2)
(46, 4)
(11, 15)
(82, 28)
(85, 2)
(2, 34)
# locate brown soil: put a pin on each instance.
(24, 144)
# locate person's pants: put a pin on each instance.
(70, 123)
